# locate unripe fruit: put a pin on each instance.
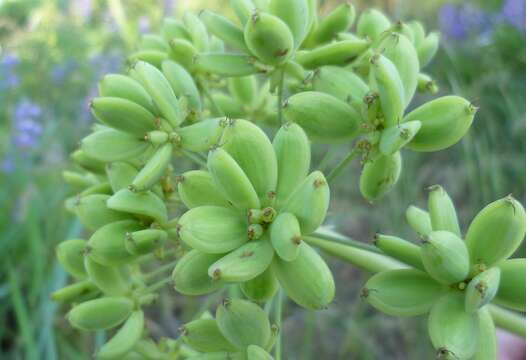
(243, 88)
(426, 84)
(143, 204)
(76, 292)
(372, 23)
(224, 29)
(203, 135)
(403, 28)
(93, 212)
(243, 9)
(442, 211)
(190, 275)
(226, 64)
(428, 48)
(70, 255)
(153, 170)
(336, 53)
(294, 13)
(204, 335)
(512, 292)
(153, 42)
(152, 57)
(340, 83)
(111, 280)
(145, 241)
(397, 136)
(197, 188)
(124, 339)
(125, 87)
(227, 105)
(285, 235)
(87, 162)
(107, 245)
(174, 29)
(482, 289)
(379, 175)
(255, 352)
(112, 145)
(399, 249)
(261, 288)
(419, 220)
(182, 83)
(120, 174)
(100, 314)
(419, 32)
(339, 20)
(123, 114)
(197, 31)
(184, 52)
(77, 180)
(487, 347)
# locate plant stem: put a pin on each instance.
(342, 165)
(148, 276)
(508, 320)
(278, 313)
(342, 239)
(158, 285)
(209, 97)
(194, 158)
(280, 96)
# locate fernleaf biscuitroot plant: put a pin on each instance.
(201, 160)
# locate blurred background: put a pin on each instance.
(53, 52)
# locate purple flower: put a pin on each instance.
(8, 165)
(169, 6)
(27, 129)
(10, 61)
(8, 77)
(457, 22)
(27, 110)
(61, 71)
(514, 12)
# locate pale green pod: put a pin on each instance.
(428, 48)
(153, 42)
(336, 53)
(87, 162)
(255, 352)
(403, 28)
(232, 181)
(419, 33)
(153, 58)
(339, 20)
(292, 148)
(197, 31)
(203, 135)
(396, 137)
(120, 174)
(93, 212)
(453, 332)
(426, 84)
(402, 292)
(204, 335)
(224, 29)
(243, 9)
(310, 202)
(244, 263)
(482, 289)
(261, 288)
(100, 314)
(285, 235)
(153, 170)
(182, 83)
(190, 275)
(496, 232)
(487, 347)
(307, 280)
(323, 117)
(227, 105)
(339, 82)
(112, 145)
(372, 23)
(512, 292)
(216, 44)
(419, 220)
(145, 241)
(269, 39)
(244, 89)
(380, 175)
(400, 249)
(213, 229)
(76, 292)
(125, 87)
(111, 280)
(99, 188)
(444, 122)
(294, 13)
(107, 245)
(124, 339)
(70, 254)
(243, 323)
(253, 151)
(442, 211)
(223, 64)
(445, 257)
(184, 52)
(144, 204)
(197, 188)
(77, 180)
(172, 28)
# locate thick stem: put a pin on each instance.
(323, 233)
(158, 285)
(160, 270)
(278, 313)
(342, 165)
(508, 320)
(280, 96)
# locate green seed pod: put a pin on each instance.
(243, 323)
(100, 314)
(125, 87)
(77, 292)
(339, 20)
(226, 64)
(204, 335)
(372, 23)
(70, 256)
(153, 42)
(445, 257)
(244, 263)
(144, 204)
(244, 89)
(93, 212)
(190, 275)
(120, 174)
(285, 235)
(442, 211)
(292, 148)
(153, 58)
(111, 280)
(174, 29)
(255, 352)
(224, 29)
(426, 84)
(294, 13)
(396, 137)
(323, 117)
(232, 180)
(419, 220)
(452, 330)
(428, 48)
(100, 188)
(111, 145)
(124, 339)
(444, 122)
(217, 45)
(184, 52)
(261, 288)
(340, 83)
(197, 31)
(182, 83)
(403, 28)
(87, 162)
(79, 181)
(336, 53)
(160, 90)
(203, 135)
(243, 9)
(496, 232)
(153, 170)
(227, 105)
(145, 241)
(197, 188)
(309, 202)
(107, 245)
(487, 347)
(380, 175)
(419, 32)
(307, 280)
(253, 151)
(402, 292)
(399, 249)
(482, 289)
(269, 39)
(512, 292)
(213, 229)
(255, 231)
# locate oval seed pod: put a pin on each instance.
(512, 292)
(268, 38)
(144, 204)
(124, 339)
(309, 202)
(339, 20)
(294, 13)
(307, 280)
(403, 28)
(125, 87)
(153, 170)
(482, 289)
(197, 31)
(145, 241)
(79, 181)
(340, 53)
(372, 23)
(152, 57)
(442, 211)
(261, 288)
(190, 275)
(255, 352)
(224, 29)
(223, 64)
(70, 255)
(76, 292)
(204, 335)
(418, 219)
(323, 117)
(153, 42)
(244, 89)
(100, 314)
(213, 229)
(93, 212)
(87, 162)
(174, 29)
(197, 188)
(232, 180)
(203, 135)
(227, 106)
(380, 175)
(120, 174)
(487, 347)
(496, 232)
(399, 249)
(444, 122)
(452, 330)
(428, 48)
(107, 245)
(111, 280)
(395, 137)
(445, 257)
(419, 32)
(216, 44)
(243, 9)
(184, 52)
(340, 83)
(426, 84)
(402, 292)
(285, 235)
(112, 145)
(182, 83)
(243, 323)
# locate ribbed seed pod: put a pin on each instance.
(112, 145)
(482, 289)
(380, 175)
(100, 314)
(339, 20)
(153, 42)
(184, 52)
(76, 292)
(120, 174)
(336, 53)
(224, 29)
(419, 32)
(111, 280)
(243, 9)
(190, 275)
(227, 105)
(255, 352)
(372, 23)
(442, 211)
(201, 136)
(143, 204)
(153, 170)
(295, 13)
(125, 87)
(261, 288)
(399, 249)
(512, 292)
(403, 28)
(182, 84)
(107, 245)
(340, 83)
(145, 241)
(152, 57)
(93, 212)
(428, 48)
(487, 348)
(419, 220)
(197, 188)
(204, 335)
(395, 137)
(78, 181)
(244, 89)
(172, 28)
(197, 31)
(87, 162)
(285, 235)
(70, 254)
(226, 64)
(124, 339)
(426, 84)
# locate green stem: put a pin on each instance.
(342, 165)
(280, 96)
(346, 241)
(196, 159)
(278, 313)
(508, 320)
(148, 276)
(158, 285)
(209, 97)
(149, 257)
